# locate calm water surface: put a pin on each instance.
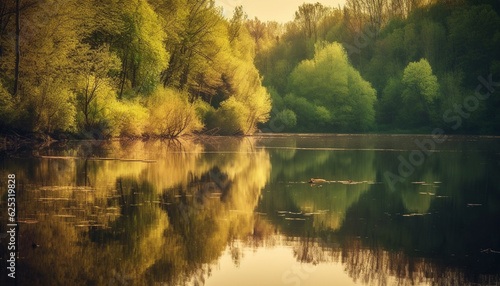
(239, 211)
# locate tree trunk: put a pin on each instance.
(18, 32)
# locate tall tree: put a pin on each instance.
(309, 17)
(194, 44)
(141, 47)
(420, 92)
(18, 53)
(328, 80)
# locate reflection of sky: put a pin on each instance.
(271, 10)
(275, 266)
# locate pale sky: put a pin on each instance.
(271, 10)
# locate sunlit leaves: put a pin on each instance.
(344, 100)
(95, 88)
(141, 47)
(127, 118)
(418, 77)
(420, 91)
(6, 107)
(170, 114)
(84, 64)
(410, 101)
(193, 43)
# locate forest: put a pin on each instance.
(164, 68)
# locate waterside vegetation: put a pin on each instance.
(164, 68)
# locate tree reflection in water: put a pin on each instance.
(148, 212)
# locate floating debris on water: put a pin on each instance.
(65, 216)
(66, 188)
(416, 214)
(56, 199)
(489, 250)
(290, 212)
(474, 205)
(92, 225)
(28, 221)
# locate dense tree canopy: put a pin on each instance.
(423, 58)
(343, 100)
(114, 68)
(127, 68)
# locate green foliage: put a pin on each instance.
(344, 100)
(203, 110)
(51, 107)
(95, 88)
(140, 46)
(390, 102)
(288, 118)
(276, 99)
(171, 115)
(127, 118)
(82, 64)
(94, 67)
(197, 38)
(7, 105)
(411, 100)
(229, 118)
(474, 34)
(241, 115)
(420, 91)
(309, 117)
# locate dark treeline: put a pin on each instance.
(422, 65)
(127, 68)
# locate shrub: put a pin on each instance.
(171, 115)
(230, 117)
(127, 118)
(6, 107)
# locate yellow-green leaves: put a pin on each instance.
(95, 67)
(342, 99)
(6, 107)
(171, 115)
(127, 118)
(49, 37)
(94, 87)
(420, 82)
(420, 91)
(141, 47)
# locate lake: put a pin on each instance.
(392, 210)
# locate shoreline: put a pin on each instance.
(12, 143)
